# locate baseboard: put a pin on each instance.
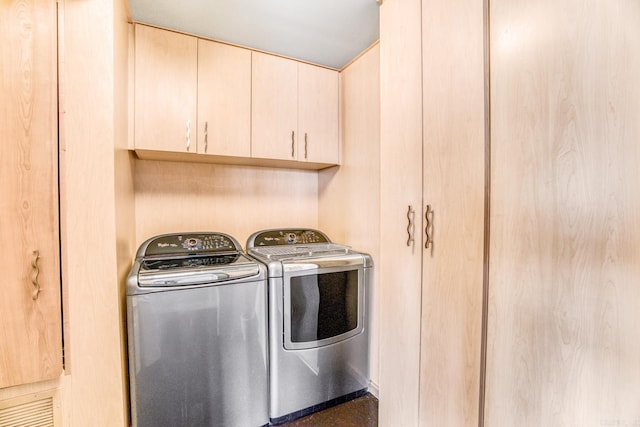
(374, 389)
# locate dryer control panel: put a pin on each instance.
(289, 237)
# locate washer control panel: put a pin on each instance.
(289, 237)
(180, 244)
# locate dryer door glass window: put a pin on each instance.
(323, 308)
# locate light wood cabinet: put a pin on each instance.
(274, 107)
(30, 315)
(224, 100)
(432, 146)
(454, 188)
(400, 262)
(191, 95)
(294, 111)
(318, 106)
(203, 101)
(165, 84)
(561, 222)
(564, 272)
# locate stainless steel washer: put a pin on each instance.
(196, 319)
(319, 304)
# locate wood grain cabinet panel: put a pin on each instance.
(454, 188)
(274, 107)
(224, 100)
(318, 114)
(564, 288)
(400, 264)
(294, 111)
(165, 90)
(30, 316)
(204, 101)
(432, 146)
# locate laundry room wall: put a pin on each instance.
(349, 196)
(97, 209)
(238, 200)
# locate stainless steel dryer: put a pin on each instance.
(319, 296)
(196, 318)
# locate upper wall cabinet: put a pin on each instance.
(191, 95)
(198, 100)
(318, 114)
(294, 111)
(166, 80)
(274, 107)
(224, 99)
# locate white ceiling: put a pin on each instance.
(324, 32)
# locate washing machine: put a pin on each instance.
(197, 333)
(319, 305)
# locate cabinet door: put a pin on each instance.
(165, 90)
(562, 344)
(224, 99)
(31, 337)
(274, 107)
(400, 187)
(454, 152)
(318, 114)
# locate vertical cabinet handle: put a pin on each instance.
(206, 136)
(411, 228)
(34, 275)
(428, 216)
(305, 145)
(188, 134)
(293, 144)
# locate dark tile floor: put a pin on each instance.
(360, 412)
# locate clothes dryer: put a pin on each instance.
(319, 305)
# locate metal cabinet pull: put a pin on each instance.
(34, 275)
(411, 228)
(293, 144)
(188, 134)
(206, 136)
(305, 145)
(428, 216)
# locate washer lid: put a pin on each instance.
(195, 270)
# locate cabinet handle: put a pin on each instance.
(206, 136)
(305, 145)
(293, 144)
(428, 216)
(188, 134)
(34, 275)
(411, 228)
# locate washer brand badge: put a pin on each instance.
(167, 245)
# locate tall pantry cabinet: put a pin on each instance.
(564, 262)
(432, 211)
(453, 106)
(562, 221)
(30, 314)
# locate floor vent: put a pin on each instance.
(31, 414)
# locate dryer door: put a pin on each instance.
(322, 305)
